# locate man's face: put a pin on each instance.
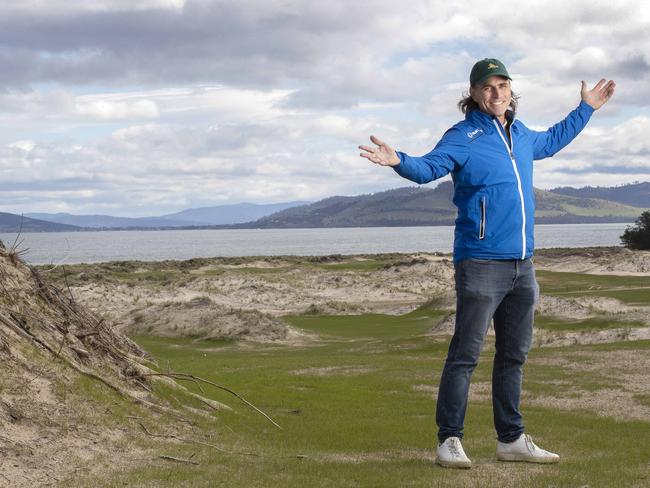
(493, 96)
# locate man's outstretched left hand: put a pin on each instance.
(599, 95)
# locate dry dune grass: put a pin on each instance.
(65, 372)
(48, 343)
(202, 319)
(395, 287)
(227, 297)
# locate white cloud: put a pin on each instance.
(25, 145)
(603, 156)
(106, 110)
(66, 7)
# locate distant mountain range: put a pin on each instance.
(635, 195)
(424, 206)
(411, 206)
(18, 223)
(204, 216)
(230, 214)
(107, 221)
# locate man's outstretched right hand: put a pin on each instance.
(383, 154)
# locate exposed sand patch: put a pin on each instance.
(625, 372)
(259, 263)
(425, 388)
(574, 309)
(544, 338)
(605, 305)
(376, 457)
(334, 371)
(478, 391)
(45, 434)
(484, 469)
(606, 260)
(396, 289)
(608, 403)
(565, 307)
(201, 318)
(296, 287)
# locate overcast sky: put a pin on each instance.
(145, 107)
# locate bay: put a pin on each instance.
(101, 246)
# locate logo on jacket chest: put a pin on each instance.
(474, 134)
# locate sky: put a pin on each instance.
(147, 107)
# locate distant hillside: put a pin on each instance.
(399, 207)
(108, 222)
(205, 216)
(417, 206)
(229, 214)
(16, 223)
(635, 194)
(552, 208)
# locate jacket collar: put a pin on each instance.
(483, 120)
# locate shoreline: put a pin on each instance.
(544, 252)
(59, 248)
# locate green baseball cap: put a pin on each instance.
(485, 68)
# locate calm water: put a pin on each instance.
(88, 247)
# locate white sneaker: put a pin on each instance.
(450, 454)
(524, 449)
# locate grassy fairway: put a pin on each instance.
(357, 410)
(632, 290)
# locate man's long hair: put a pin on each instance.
(467, 103)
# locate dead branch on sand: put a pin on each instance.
(179, 460)
(194, 441)
(191, 377)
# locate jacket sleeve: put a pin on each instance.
(450, 152)
(547, 143)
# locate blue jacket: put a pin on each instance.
(493, 179)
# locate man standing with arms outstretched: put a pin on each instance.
(490, 157)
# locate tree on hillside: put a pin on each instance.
(638, 236)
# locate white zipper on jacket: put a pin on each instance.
(510, 150)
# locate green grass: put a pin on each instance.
(370, 423)
(632, 290)
(369, 325)
(591, 324)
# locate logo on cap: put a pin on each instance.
(492, 66)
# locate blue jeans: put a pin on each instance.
(486, 289)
